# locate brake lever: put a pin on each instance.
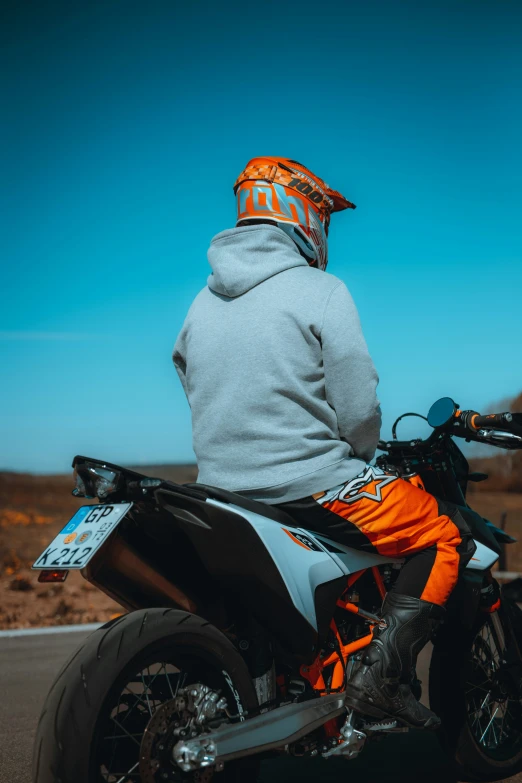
(506, 440)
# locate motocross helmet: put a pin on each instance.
(284, 192)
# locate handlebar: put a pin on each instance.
(503, 430)
(474, 421)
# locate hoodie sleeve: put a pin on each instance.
(350, 377)
(179, 357)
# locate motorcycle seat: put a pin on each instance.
(224, 496)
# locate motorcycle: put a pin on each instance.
(242, 628)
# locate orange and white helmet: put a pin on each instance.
(283, 192)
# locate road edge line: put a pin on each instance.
(14, 632)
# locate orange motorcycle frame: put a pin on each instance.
(339, 657)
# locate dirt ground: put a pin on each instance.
(33, 509)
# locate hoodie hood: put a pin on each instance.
(245, 256)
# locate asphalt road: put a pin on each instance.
(28, 665)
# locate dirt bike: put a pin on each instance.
(243, 629)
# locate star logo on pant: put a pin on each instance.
(351, 491)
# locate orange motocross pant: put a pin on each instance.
(378, 512)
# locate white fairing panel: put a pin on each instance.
(302, 558)
(483, 558)
(352, 560)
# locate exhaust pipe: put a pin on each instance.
(268, 731)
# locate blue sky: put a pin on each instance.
(125, 125)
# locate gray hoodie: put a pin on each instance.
(276, 371)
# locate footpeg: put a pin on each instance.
(385, 725)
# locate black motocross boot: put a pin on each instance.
(380, 688)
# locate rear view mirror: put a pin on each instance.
(441, 412)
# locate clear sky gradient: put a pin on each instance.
(124, 127)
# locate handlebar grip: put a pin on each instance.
(490, 421)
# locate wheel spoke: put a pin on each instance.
(503, 720)
(168, 680)
(486, 699)
(478, 687)
(146, 695)
(131, 736)
(139, 700)
(114, 731)
(494, 733)
(180, 682)
(489, 724)
(479, 710)
(477, 720)
(127, 774)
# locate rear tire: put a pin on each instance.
(71, 745)
(464, 693)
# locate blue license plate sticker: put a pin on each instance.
(77, 519)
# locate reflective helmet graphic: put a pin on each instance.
(284, 192)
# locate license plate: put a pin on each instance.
(82, 536)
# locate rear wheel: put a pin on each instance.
(133, 690)
(475, 696)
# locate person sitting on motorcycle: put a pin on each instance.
(282, 392)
